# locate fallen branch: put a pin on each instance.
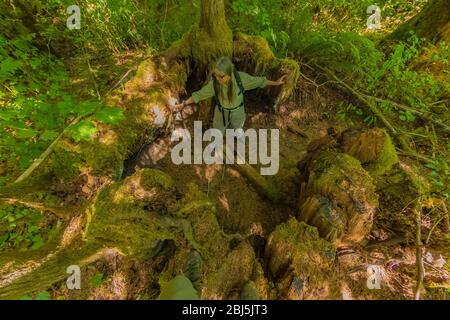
(399, 137)
(415, 155)
(59, 212)
(50, 148)
(360, 97)
(413, 111)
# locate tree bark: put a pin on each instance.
(212, 17)
(212, 38)
(432, 23)
(207, 41)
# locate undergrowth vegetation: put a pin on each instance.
(23, 228)
(50, 76)
(40, 67)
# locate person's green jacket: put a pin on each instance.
(249, 83)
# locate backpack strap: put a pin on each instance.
(216, 87)
(215, 100)
(237, 76)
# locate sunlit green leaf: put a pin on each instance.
(109, 115)
(26, 133)
(83, 130)
(37, 242)
(49, 135)
(97, 279)
(8, 66)
(43, 296)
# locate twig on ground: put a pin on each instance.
(419, 248)
(123, 77)
(399, 136)
(415, 155)
(413, 111)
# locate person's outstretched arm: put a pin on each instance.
(251, 82)
(204, 93)
(279, 82)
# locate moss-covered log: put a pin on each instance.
(253, 54)
(397, 185)
(338, 197)
(372, 147)
(128, 214)
(297, 260)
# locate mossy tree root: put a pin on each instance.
(253, 54)
(48, 273)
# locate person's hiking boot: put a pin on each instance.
(193, 269)
(249, 291)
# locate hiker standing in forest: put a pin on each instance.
(227, 86)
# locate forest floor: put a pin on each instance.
(242, 210)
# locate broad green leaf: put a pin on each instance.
(8, 114)
(26, 133)
(44, 295)
(97, 279)
(109, 115)
(8, 66)
(37, 242)
(83, 130)
(49, 135)
(86, 107)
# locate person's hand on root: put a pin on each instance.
(279, 82)
(181, 106)
(282, 80)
